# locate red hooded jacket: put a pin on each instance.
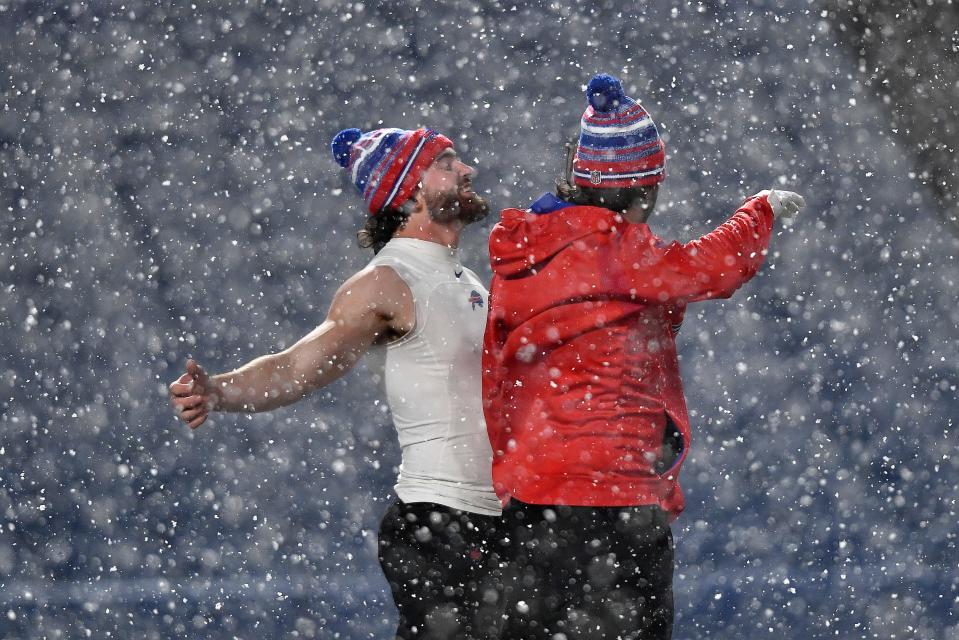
(582, 392)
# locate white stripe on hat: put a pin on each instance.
(595, 130)
(406, 169)
(618, 176)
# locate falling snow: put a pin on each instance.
(166, 191)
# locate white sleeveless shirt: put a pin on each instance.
(433, 380)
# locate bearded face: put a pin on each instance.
(448, 191)
(464, 205)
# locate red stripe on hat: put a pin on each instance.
(657, 159)
(597, 154)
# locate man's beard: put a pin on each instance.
(464, 206)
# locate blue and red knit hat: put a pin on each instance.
(385, 165)
(619, 145)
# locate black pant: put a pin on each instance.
(588, 572)
(443, 568)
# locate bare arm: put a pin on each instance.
(372, 304)
(316, 360)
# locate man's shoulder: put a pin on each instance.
(376, 276)
(374, 286)
(376, 290)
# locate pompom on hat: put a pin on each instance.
(385, 165)
(619, 145)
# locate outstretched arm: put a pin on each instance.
(371, 304)
(719, 262)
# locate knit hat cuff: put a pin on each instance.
(645, 167)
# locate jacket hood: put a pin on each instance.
(524, 239)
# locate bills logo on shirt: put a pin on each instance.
(476, 299)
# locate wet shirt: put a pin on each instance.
(433, 381)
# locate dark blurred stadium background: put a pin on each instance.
(166, 191)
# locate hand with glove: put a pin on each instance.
(785, 204)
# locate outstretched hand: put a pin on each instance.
(785, 204)
(191, 395)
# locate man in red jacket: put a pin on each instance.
(583, 397)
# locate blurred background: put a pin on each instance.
(167, 191)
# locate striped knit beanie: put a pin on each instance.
(385, 165)
(619, 145)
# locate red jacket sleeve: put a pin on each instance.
(712, 266)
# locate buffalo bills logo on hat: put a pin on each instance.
(475, 299)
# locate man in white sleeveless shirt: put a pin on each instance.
(422, 314)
